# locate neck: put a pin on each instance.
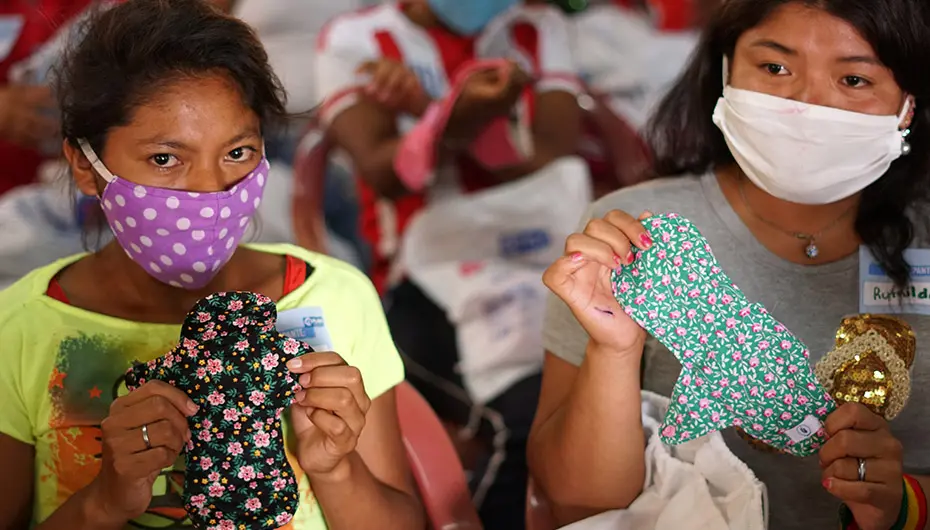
(786, 228)
(419, 13)
(791, 216)
(140, 289)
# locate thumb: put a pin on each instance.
(559, 275)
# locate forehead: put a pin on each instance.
(194, 107)
(809, 30)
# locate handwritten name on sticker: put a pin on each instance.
(878, 294)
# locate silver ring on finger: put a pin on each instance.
(148, 443)
(861, 469)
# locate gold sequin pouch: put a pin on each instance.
(870, 363)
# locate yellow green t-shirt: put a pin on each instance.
(61, 367)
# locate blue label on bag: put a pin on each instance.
(516, 244)
(307, 325)
(878, 293)
(10, 28)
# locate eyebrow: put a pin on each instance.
(164, 141)
(777, 46)
(772, 45)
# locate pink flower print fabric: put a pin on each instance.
(740, 366)
(231, 362)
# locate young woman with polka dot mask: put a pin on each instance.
(181, 238)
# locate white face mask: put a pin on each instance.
(805, 153)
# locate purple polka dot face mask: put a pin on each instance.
(180, 238)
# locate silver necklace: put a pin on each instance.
(811, 250)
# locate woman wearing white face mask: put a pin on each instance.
(817, 145)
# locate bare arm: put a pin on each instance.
(556, 130)
(375, 485)
(586, 447)
(77, 513)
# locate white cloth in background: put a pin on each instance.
(480, 257)
(699, 485)
(289, 29)
(619, 52)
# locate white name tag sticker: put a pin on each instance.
(10, 28)
(307, 325)
(878, 294)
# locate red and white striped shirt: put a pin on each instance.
(536, 37)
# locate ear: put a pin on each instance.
(84, 175)
(911, 103)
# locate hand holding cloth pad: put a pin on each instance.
(740, 366)
(231, 362)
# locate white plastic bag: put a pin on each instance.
(481, 256)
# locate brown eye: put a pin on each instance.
(775, 69)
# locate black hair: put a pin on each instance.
(684, 139)
(128, 52)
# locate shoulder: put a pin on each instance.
(330, 275)
(681, 194)
(28, 293)
(354, 30)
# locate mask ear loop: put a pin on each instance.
(726, 71)
(95, 161)
(906, 116)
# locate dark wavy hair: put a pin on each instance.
(684, 139)
(128, 53)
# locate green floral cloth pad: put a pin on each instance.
(231, 362)
(740, 366)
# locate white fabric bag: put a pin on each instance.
(699, 485)
(480, 257)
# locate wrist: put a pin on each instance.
(94, 510)
(606, 351)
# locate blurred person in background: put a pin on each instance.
(32, 35)
(405, 55)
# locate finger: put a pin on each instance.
(336, 429)
(876, 470)
(146, 463)
(343, 376)
(157, 388)
(632, 228)
(307, 363)
(851, 443)
(339, 401)
(853, 416)
(593, 250)
(148, 412)
(367, 67)
(606, 232)
(559, 274)
(161, 434)
(645, 215)
(857, 492)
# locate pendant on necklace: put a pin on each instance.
(811, 250)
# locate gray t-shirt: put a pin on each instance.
(810, 300)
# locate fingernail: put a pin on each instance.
(294, 364)
(617, 260)
(827, 483)
(576, 257)
(629, 257)
(192, 407)
(298, 397)
(645, 240)
(305, 380)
